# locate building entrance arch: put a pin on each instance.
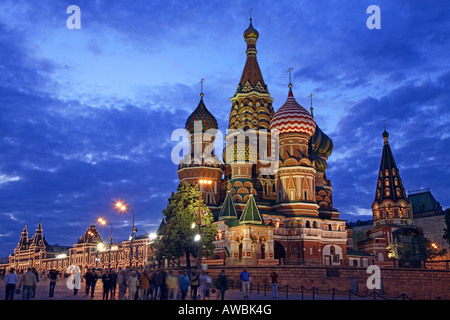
(279, 252)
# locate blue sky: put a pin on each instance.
(87, 115)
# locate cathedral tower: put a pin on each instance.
(391, 205)
(249, 124)
(201, 162)
(295, 178)
(394, 234)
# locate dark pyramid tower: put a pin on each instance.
(23, 241)
(38, 240)
(391, 204)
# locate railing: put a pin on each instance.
(302, 292)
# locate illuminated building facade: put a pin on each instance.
(89, 252)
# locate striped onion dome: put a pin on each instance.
(293, 118)
(201, 113)
(319, 163)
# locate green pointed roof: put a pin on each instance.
(251, 213)
(228, 210)
(160, 230)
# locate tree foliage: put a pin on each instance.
(177, 238)
(446, 235)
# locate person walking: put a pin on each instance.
(153, 285)
(194, 285)
(132, 283)
(113, 275)
(122, 283)
(94, 282)
(28, 283)
(11, 280)
(245, 278)
(161, 282)
(208, 285)
(274, 277)
(106, 279)
(222, 284)
(184, 283)
(201, 285)
(172, 283)
(88, 278)
(36, 274)
(52, 275)
(76, 279)
(144, 283)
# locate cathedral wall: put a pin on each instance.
(415, 283)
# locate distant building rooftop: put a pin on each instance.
(424, 204)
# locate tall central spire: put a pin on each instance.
(251, 79)
(251, 92)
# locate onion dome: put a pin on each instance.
(251, 32)
(319, 163)
(323, 145)
(201, 113)
(293, 118)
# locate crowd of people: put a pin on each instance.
(135, 284)
(131, 284)
(160, 284)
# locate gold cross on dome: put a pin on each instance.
(289, 71)
(310, 96)
(201, 86)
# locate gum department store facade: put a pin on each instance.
(262, 217)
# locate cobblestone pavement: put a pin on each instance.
(62, 292)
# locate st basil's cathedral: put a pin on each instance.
(263, 215)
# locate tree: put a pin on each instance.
(180, 215)
(446, 235)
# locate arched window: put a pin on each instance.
(314, 225)
(308, 225)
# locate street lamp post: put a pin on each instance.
(103, 222)
(124, 208)
(199, 223)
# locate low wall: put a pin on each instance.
(415, 283)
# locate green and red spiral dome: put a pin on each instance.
(201, 113)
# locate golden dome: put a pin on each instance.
(251, 32)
